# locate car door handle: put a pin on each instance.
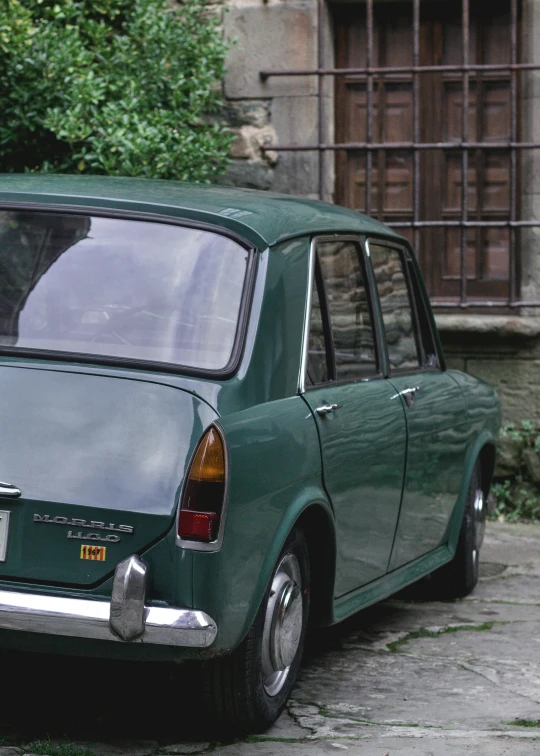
(326, 409)
(407, 394)
(6, 489)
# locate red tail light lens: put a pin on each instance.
(204, 491)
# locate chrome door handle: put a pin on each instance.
(407, 394)
(407, 391)
(326, 409)
(6, 489)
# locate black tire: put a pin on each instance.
(237, 696)
(459, 577)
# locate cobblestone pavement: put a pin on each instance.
(404, 678)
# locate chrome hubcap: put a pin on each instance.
(479, 524)
(282, 624)
(479, 519)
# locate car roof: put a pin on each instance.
(262, 218)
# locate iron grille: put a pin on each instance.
(371, 147)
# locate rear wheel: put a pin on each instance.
(247, 690)
(459, 577)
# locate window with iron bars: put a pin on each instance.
(428, 99)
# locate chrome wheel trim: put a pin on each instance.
(479, 515)
(283, 624)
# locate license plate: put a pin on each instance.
(4, 532)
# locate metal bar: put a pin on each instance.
(480, 156)
(464, 70)
(320, 103)
(464, 153)
(482, 303)
(513, 153)
(416, 123)
(463, 224)
(372, 146)
(369, 103)
(390, 70)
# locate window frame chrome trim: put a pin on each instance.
(307, 317)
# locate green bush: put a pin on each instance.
(517, 494)
(517, 500)
(119, 87)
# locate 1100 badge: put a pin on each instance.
(94, 524)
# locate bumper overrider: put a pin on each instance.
(125, 618)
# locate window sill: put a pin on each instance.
(500, 325)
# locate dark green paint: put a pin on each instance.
(390, 583)
(363, 448)
(79, 439)
(437, 433)
(275, 473)
(262, 218)
(94, 448)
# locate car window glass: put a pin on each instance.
(118, 287)
(429, 350)
(317, 365)
(396, 307)
(349, 310)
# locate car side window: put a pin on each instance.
(349, 309)
(396, 308)
(317, 369)
(430, 356)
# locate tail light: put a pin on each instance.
(204, 491)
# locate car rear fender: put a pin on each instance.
(247, 596)
(274, 479)
(312, 512)
(483, 442)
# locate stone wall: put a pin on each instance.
(272, 35)
(502, 350)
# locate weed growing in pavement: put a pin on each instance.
(525, 723)
(425, 633)
(46, 748)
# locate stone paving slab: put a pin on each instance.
(404, 678)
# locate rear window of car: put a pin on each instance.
(119, 288)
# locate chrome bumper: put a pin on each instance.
(124, 618)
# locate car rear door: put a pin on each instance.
(434, 407)
(362, 430)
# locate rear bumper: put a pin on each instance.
(126, 618)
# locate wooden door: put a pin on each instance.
(440, 107)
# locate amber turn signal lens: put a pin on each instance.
(208, 465)
(204, 491)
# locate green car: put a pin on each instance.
(226, 415)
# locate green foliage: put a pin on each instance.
(46, 748)
(527, 433)
(525, 722)
(517, 500)
(118, 87)
(518, 496)
(425, 633)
